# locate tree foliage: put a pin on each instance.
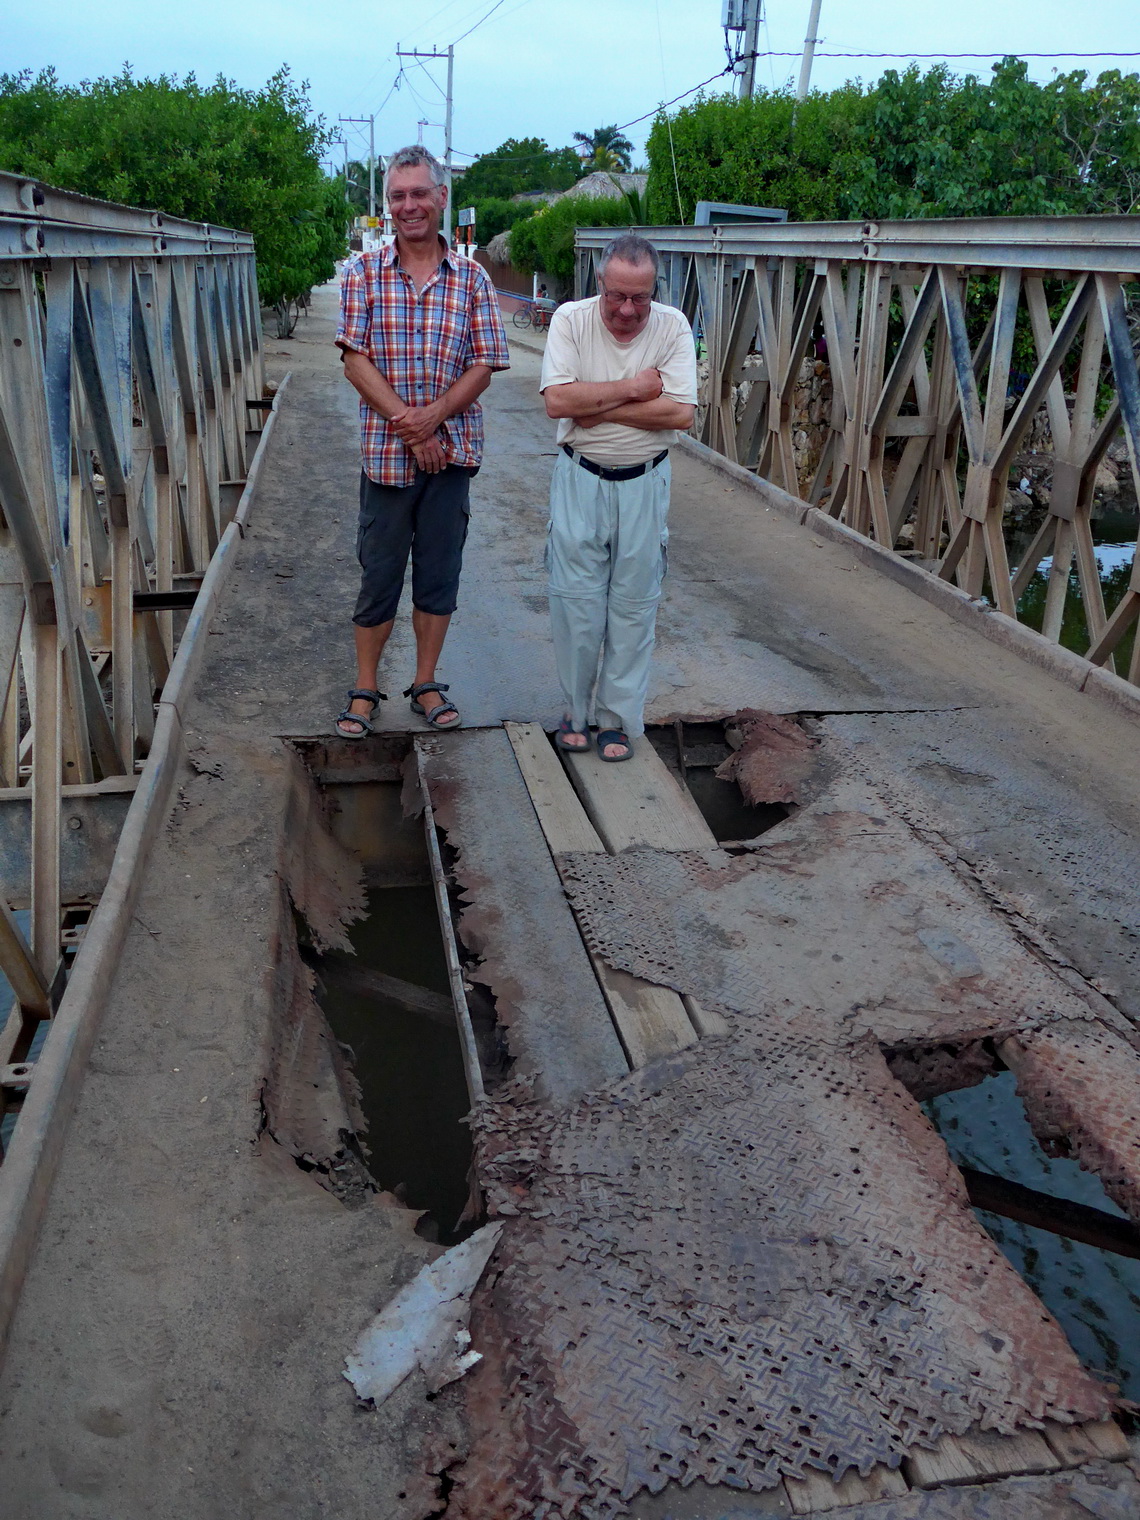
(494, 214)
(546, 240)
(913, 145)
(520, 165)
(604, 148)
(249, 159)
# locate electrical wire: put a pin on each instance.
(423, 25)
(432, 81)
(999, 54)
(770, 53)
(479, 23)
(668, 119)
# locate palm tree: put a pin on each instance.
(604, 148)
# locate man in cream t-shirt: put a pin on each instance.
(620, 375)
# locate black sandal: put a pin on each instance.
(614, 736)
(363, 695)
(436, 712)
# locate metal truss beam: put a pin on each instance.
(130, 377)
(945, 345)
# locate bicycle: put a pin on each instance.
(522, 317)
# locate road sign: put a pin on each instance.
(466, 216)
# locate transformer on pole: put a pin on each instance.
(743, 17)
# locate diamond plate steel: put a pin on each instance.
(839, 922)
(755, 1258)
(752, 1259)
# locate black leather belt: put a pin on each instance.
(626, 472)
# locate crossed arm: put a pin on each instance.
(636, 402)
(418, 426)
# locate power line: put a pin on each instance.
(423, 25)
(479, 23)
(917, 56)
(730, 69)
(1006, 54)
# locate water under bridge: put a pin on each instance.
(765, 1110)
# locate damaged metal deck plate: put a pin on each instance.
(756, 1258)
(840, 922)
(515, 917)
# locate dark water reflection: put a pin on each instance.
(409, 1066)
(1114, 537)
(1093, 1294)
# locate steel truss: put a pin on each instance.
(130, 405)
(922, 324)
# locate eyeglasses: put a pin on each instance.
(615, 298)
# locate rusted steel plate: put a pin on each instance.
(839, 922)
(750, 1260)
(755, 1259)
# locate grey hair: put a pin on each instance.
(412, 157)
(630, 249)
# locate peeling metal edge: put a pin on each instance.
(471, 1068)
(1065, 666)
(29, 1167)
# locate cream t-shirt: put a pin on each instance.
(579, 348)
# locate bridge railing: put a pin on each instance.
(130, 405)
(935, 358)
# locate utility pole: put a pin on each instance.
(450, 56)
(449, 213)
(809, 50)
(360, 120)
(744, 16)
(372, 166)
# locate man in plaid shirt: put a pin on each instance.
(420, 336)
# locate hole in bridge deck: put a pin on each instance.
(692, 751)
(390, 1005)
(1093, 1294)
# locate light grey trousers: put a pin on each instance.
(606, 555)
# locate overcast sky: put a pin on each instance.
(535, 68)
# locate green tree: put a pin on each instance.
(604, 148)
(761, 151)
(517, 166)
(545, 241)
(357, 173)
(249, 159)
(494, 215)
(913, 145)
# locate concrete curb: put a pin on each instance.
(37, 1142)
(188, 660)
(531, 348)
(1071, 669)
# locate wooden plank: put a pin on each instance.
(651, 1021)
(1108, 1438)
(559, 812)
(637, 804)
(979, 1454)
(1070, 1444)
(706, 1021)
(818, 1492)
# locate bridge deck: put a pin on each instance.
(179, 1346)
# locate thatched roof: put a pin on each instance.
(608, 186)
(499, 248)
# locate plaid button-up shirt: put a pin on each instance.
(421, 344)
